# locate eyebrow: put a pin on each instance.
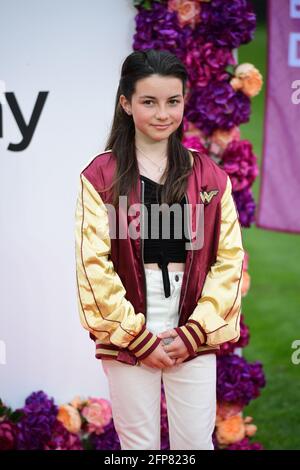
(153, 97)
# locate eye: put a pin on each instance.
(174, 101)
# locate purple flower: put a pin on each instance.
(7, 435)
(245, 205)
(107, 440)
(36, 425)
(217, 106)
(238, 381)
(159, 29)
(61, 439)
(245, 444)
(227, 23)
(239, 161)
(228, 348)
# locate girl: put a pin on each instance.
(157, 305)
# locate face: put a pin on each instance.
(157, 101)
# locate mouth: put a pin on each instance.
(165, 126)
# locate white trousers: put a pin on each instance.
(190, 387)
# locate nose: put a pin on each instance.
(161, 114)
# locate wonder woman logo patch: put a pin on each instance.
(206, 196)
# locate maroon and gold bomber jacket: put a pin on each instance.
(111, 287)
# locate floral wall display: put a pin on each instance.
(204, 35)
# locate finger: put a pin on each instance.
(173, 333)
(173, 356)
(173, 344)
(168, 358)
(163, 334)
(175, 352)
(159, 364)
(181, 359)
(167, 334)
(168, 348)
(170, 363)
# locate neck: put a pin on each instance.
(153, 149)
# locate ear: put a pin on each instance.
(125, 104)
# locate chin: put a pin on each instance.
(158, 138)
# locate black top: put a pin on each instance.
(158, 248)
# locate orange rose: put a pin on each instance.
(248, 419)
(223, 138)
(231, 430)
(188, 12)
(70, 418)
(250, 429)
(247, 79)
(220, 139)
(77, 402)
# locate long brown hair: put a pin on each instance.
(121, 141)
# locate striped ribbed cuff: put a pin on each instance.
(193, 335)
(143, 344)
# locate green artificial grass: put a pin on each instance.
(271, 307)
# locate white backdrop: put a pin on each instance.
(74, 50)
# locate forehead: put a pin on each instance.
(158, 86)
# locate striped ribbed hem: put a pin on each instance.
(103, 355)
(193, 336)
(143, 344)
(201, 353)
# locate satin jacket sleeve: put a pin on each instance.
(216, 318)
(104, 310)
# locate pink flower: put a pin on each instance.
(98, 414)
(7, 435)
(191, 130)
(240, 163)
(194, 143)
(226, 410)
(246, 261)
(245, 283)
(206, 62)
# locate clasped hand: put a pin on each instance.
(167, 355)
(176, 350)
